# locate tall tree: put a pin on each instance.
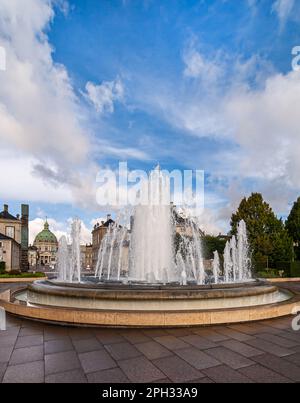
(212, 243)
(269, 240)
(293, 226)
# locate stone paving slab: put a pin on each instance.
(177, 369)
(26, 354)
(60, 362)
(85, 345)
(153, 350)
(114, 375)
(269, 347)
(198, 341)
(240, 348)
(230, 358)
(198, 359)
(260, 374)
(58, 345)
(96, 360)
(172, 342)
(25, 373)
(122, 351)
(73, 376)
(141, 370)
(281, 366)
(225, 374)
(265, 351)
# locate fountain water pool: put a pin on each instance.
(162, 281)
(153, 256)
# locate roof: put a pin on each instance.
(8, 238)
(108, 223)
(5, 237)
(46, 235)
(105, 224)
(7, 216)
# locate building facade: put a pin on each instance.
(14, 234)
(33, 257)
(47, 246)
(98, 234)
(86, 252)
(10, 253)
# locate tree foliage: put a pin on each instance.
(212, 243)
(268, 237)
(293, 226)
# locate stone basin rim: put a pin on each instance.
(127, 292)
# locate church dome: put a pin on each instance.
(46, 235)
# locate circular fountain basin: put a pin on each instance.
(140, 298)
(140, 305)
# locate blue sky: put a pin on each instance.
(192, 84)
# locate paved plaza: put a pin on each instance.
(266, 351)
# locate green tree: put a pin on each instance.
(293, 226)
(269, 240)
(212, 243)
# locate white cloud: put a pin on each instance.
(39, 113)
(104, 95)
(122, 152)
(253, 111)
(44, 130)
(265, 125)
(198, 67)
(17, 180)
(261, 119)
(283, 9)
(45, 143)
(209, 222)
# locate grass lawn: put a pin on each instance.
(22, 275)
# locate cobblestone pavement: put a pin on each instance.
(265, 351)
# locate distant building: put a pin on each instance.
(183, 224)
(33, 256)
(98, 234)
(47, 246)
(10, 253)
(86, 256)
(14, 234)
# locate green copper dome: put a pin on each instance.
(46, 235)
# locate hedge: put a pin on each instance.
(295, 269)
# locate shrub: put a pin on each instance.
(2, 267)
(295, 269)
(14, 273)
(270, 273)
(21, 275)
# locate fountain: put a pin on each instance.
(69, 259)
(63, 260)
(216, 267)
(160, 281)
(153, 259)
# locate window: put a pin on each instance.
(10, 231)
